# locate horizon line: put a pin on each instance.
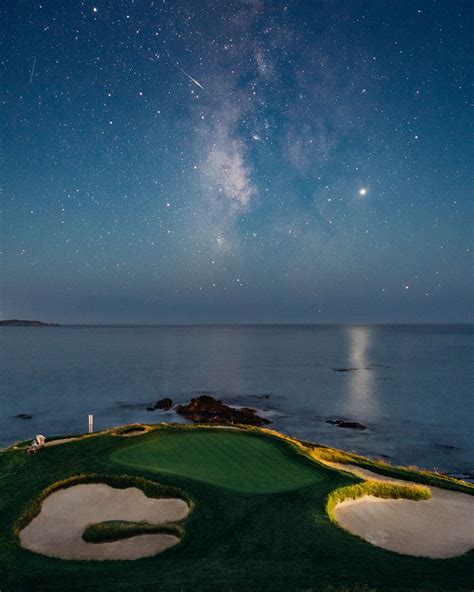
(247, 324)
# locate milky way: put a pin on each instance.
(247, 161)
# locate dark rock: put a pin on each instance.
(24, 416)
(206, 409)
(263, 397)
(448, 446)
(342, 423)
(344, 369)
(24, 323)
(165, 404)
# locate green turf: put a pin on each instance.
(237, 461)
(114, 530)
(233, 541)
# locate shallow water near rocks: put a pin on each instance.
(411, 385)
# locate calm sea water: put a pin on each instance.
(412, 385)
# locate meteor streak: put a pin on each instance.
(190, 77)
(33, 70)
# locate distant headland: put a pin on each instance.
(24, 323)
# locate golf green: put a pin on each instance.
(259, 520)
(237, 461)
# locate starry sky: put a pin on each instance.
(202, 161)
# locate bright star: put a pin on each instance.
(362, 191)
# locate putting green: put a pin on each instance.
(238, 461)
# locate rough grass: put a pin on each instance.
(133, 427)
(326, 454)
(114, 530)
(377, 489)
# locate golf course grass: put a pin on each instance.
(238, 461)
(259, 519)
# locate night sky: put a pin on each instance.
(246, 161)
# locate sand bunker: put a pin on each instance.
(440, 527)
(57, 530)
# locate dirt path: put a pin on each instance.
(62, 441)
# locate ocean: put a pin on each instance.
(410, 385)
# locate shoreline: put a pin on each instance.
(411, 387)
(458, 475)
(229, 325)
(139, 428)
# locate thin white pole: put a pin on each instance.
(91, 423)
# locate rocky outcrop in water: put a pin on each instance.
(342, 423)
(163, 404)
(23, 323)
(206, 409)
(24, 416)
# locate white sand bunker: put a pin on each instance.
(440, 527)
(57, 530)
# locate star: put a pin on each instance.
(363, 191)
